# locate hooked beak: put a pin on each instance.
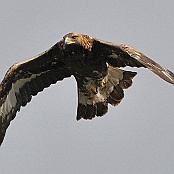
(68, 41)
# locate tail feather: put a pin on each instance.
(89, 107)
(96, 104)
(90, 111)
(102, 108)
(81, 111)
(126, 82)
(116, 95)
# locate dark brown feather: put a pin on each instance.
(124, 55)
(90, 112)
(34, 75)
(102, 108)
(95, 65)
(126, 82)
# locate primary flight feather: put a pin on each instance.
(94, 63)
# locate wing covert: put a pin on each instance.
(120, 55)
(25, 79)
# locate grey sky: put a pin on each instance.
(136, 137)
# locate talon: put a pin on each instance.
(94, 90)
(102, 83)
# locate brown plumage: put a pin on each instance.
(94, 63)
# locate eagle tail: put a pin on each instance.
(109, 90)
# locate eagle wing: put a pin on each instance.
(120, 55)
(25, 79)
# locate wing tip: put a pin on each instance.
(168, 76)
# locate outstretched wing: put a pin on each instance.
(125, 55)
(25, 79)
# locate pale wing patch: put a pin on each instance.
(10, 103)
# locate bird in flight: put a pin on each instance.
(94, 63)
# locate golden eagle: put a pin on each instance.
(94, 63)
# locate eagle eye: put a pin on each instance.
(74, 37)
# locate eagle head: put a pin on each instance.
(78, 40)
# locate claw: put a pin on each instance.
(102, 83)
(94, 89)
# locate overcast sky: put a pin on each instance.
(136, 137)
